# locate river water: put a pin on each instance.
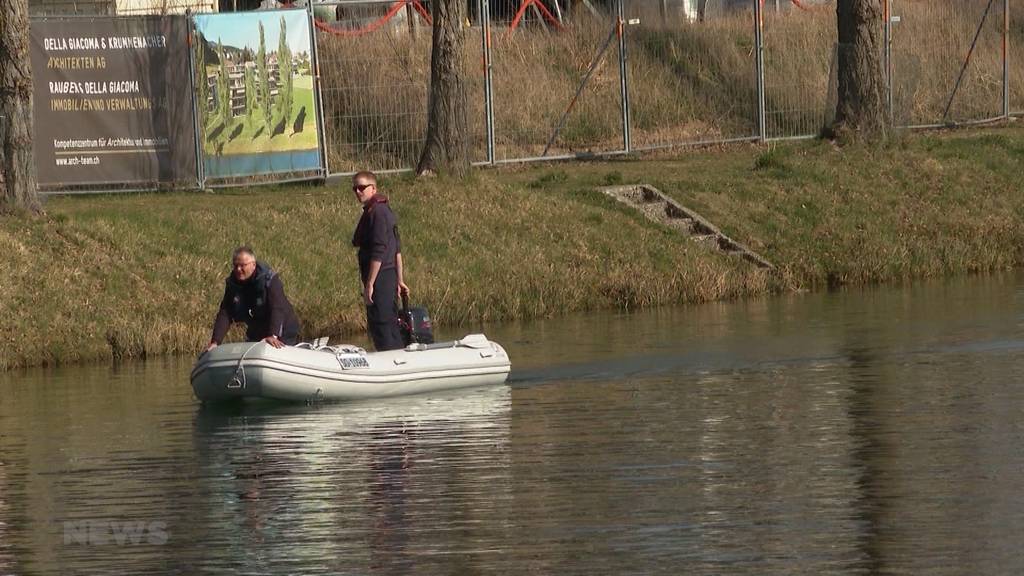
(870, 431)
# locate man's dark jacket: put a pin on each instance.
(260, 303)
(376, 236)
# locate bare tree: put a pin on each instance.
(860, 106)
(447, 143)
(17, 169)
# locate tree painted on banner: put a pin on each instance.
(284, 70)
(223, 87)
(250, 95)
(264, 73)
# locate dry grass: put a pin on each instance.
(930, 44)
(110, 277)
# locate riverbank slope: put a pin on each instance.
(108, 277)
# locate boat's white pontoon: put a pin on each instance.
(320, 372)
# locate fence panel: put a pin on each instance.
(692, 73)
(375, 74)
(931, 41)
(541, 55)
(375, 78)
(1015, 56)
(799, 58)
(72, 8)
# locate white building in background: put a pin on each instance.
(696, 10)
(692, 11)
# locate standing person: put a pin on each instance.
(254, 294)
(380, 262)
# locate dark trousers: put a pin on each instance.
(382, 315)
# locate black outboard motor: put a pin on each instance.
(414, 323)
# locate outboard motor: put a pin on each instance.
(414, 324)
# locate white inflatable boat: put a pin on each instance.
(311, 372)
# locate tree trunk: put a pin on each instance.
(17, 170)
(860, 106)
(447, 144)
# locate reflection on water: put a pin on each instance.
(863, 432)
(361, 480)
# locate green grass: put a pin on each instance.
(136, 275)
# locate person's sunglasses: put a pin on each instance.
(360, 187)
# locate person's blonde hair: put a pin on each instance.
(365, 175)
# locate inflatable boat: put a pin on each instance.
(316, 371)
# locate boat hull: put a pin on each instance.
(298, 374)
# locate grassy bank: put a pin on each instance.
(128, 276)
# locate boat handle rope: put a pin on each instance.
(238, 380)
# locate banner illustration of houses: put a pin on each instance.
(255, 91)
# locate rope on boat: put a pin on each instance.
(239, 378)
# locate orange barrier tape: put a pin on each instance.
(376, 23)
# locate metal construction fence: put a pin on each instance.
(554, 79)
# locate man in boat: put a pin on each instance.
(380, 262)
(254, 294)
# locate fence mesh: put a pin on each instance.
(691, 73)
(375, 78)
(799, 49)
(541, 54)
(118, 7)
(931, 41)
(375, 74)
(1015, 57)
(72, 8)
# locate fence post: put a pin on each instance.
(197, 118)
(762, 131)
(1006, 58)
(623, 82)
(314, 65)
(484, 8)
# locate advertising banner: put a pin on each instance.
(255, 91)
(112, 101)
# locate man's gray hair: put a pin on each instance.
(243, 249)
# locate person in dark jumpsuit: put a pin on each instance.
(254, 294)
(380, 262)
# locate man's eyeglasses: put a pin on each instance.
(360, 187)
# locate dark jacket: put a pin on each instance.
(376, 236)
(260, 303)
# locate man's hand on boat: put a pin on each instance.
(274, 341)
